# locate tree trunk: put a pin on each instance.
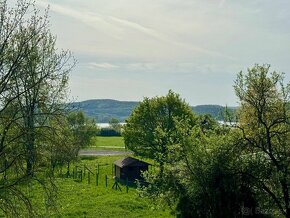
(30, 140)
(30, 158)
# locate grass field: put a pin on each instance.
(109, 142)
(79, 199)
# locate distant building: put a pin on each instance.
(130, 168)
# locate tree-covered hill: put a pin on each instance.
(214, 110)
(104, 109)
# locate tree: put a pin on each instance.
(73, 132)
(205, 179)
(32, 88)
(82, 127)
(45, 82)
(151, 128)
(264, 125)
(207, 122)
(115, 125)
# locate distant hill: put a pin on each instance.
(214, 110)
(104, 109)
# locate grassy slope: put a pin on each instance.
(80, 199)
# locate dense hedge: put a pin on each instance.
(108, 132)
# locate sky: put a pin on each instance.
(131, 49)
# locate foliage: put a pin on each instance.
(32, 88)
(218, 171)
(72, 133)
(83, 128)
(205, 179)
(115, 125)
(151, 129)
(108, 132)
(207, 123)
(264, 125)
(199, 165)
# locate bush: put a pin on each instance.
(108, 132)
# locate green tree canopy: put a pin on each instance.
(33, 83)
(204, 175)
(151, 128)
(115, 125)
(72, 132)
(265, 127)
(220, 171)
(82, 127)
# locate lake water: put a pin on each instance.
(105, 125)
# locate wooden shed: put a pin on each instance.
(130, 168)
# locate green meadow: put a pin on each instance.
(89, 196)
(81, 198)
(110, 143)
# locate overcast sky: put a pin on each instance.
(130, 49)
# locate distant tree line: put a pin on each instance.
(114, 128)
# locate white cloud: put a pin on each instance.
(185, 45)
(120, 30)
(221, 3)
(106, 66)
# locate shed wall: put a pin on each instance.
(117, 171)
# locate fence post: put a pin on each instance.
(76, 172)
(97, 179)
(89, 177)
(81, 175)
(127, 188)
(106, 181)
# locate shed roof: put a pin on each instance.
(130, 161)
